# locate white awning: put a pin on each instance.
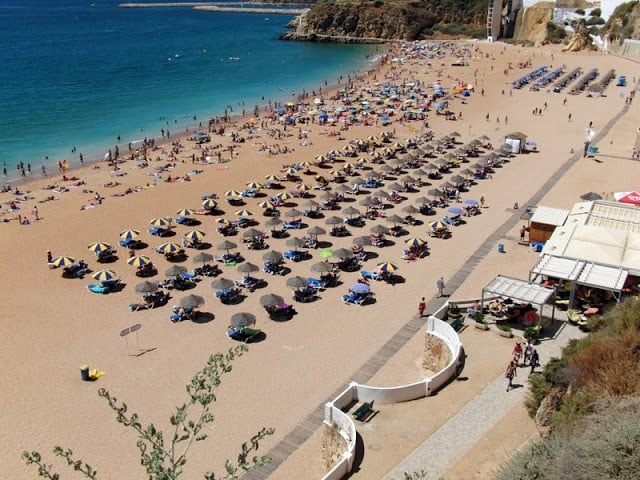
(558, 267)
(602, 276)
(550, 216)
(520, 290)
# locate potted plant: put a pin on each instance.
(479, 321)
(453, 311)
(531, 333)
(505, 331)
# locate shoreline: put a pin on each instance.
(373, 66)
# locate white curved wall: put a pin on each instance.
(401, 393)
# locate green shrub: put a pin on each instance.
(596, 12)
(595, 21)
(579, 11)
(539, 388)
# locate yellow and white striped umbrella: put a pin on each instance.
(266, 204)
(272, 178)
(232, 193)
(254, 185)
(244, 212)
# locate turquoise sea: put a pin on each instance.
(80, 73)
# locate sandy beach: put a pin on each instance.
(53, 325)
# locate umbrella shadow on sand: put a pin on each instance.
(202, 317)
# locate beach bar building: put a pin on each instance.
(544, 221)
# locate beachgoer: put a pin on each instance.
(516, 206)
(528, 350)
(510, 373)
(35, 212)
(49, 256)
(421, 306)
(482, 201)
(535, 361)
(441, 286)
(523, 231)
(474, 308)
(517, 352)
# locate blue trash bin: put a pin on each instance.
(501, 248)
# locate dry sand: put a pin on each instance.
(53, 325)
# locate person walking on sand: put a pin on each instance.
(511, 373)
(441, 286)
(482, 201)
(35, 212)
(421, 306)
(523, 231)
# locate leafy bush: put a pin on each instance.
(579, 11)
(605, 445)
(555, 34)
(596, 12)
(539, 388)
(595, 21)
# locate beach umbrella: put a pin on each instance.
(362, 241)
(243, 319)
(272, 177)
(360, 288)
(129, 234)
(457, 179)
(321, 159)
(160, 222)
(248, 267)
(328, 196)
(316, 230)
(321, 267)
(222, 283)
(175, 270)
(203, 257)
(270, 300)
(311, 204)
(295, 242)
(184, 212)
(366, 201)
(351, 211)
(266, 204)
(297, 282)
(454, 134)
(422, 200)
(293, 213)
(191, 301)
(358, 181)
(336, 173)
(291, 171)
(437, 225)
(284, 196)
(102, 275)
(232, 193)
(226, 245)
(470, 201)
(334, 220)
(223, 221)
(272, 256)
(447, 186)
(361, 160)
(194, 235)
(209, 204)
(98, 247)
(435, 192)
(409, 209)
(273, 222)
(325, 253)
(590, 196)
(146, 287)
(254, 185)
(342, 188)
(169, 247)
(251, 233)
(243, 212)
(414, 242)
(305, 165)
(379, 229)
(455, 210)
(484, 138)
(304, 187)
(139, 261)
(387, 267)
(395, 219)
(342, 253)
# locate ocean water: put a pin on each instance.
(80, 73)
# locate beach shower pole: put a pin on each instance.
(134, 329)
(125, 333)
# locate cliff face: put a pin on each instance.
(531, 23)
(370, 20)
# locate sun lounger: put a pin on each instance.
(228, 295)
(243, 334)
(97, 288)
(371, 275)
(295, 225)
(296, 255)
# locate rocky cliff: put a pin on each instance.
(375, 20)
(531, 23)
